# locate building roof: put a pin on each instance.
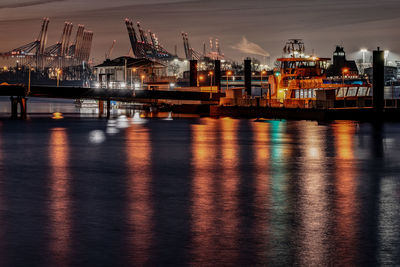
(340, 62)
(130, 63)
(336, 70)
(304, 59)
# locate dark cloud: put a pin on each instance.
(15, 4)
(268, 23)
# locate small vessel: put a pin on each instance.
(298, 78)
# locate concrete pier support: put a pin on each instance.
(14, 107)
(378, 82)
(22, 101)
(193, 73)
(217, 74)
(247, 76)
(108, 108)
(23, 106)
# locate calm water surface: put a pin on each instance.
(204, 192)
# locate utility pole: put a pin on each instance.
(29, 79)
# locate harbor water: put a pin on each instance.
(198, 191)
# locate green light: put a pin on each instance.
(277, 74)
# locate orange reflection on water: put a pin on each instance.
(59, 197)
(262, 182)
(229, 190)
(2, 206)
(204, 212)
(345, 183)
(140, 209)
(313, 202)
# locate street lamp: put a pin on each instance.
(200, 79)
(344, 71)
(363, 51)
(211, 74)
(142, 78)
(386, 55)
(228, 73)
(29, 79)
(262, 73)
(133, 71)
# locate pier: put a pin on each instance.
(19, 95)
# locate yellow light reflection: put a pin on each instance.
(57, 116)
(229, 189)
(262, 184)
(3, 256)
(345, 183)
(140, 208)
(204, 212)
(313, 201)
(60, 197)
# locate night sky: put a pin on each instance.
(321, 23)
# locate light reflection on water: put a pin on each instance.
(312, 206)
(140, 211)
(262, 178)
(228, 197)
(200, 192)
(204, 211)
(60, 210)
(345, 179)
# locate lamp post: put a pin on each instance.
(125, 70)
(262, 72)
(58, 77)
(133, 71)
(29, 79)
(386, 55)
(142, 78)
(211, 74)
(228, 73)
(344, 71)
(200, 79)
(363, 51)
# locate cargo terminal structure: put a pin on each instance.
(66, 52)
(150, 64)
(68, 60)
